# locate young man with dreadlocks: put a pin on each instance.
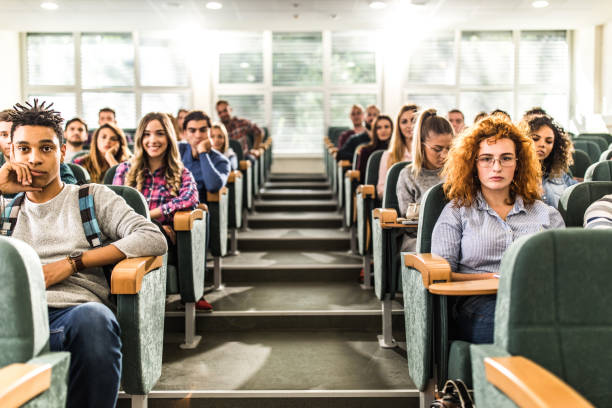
(49, 220)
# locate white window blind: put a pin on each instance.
(50, 59)
(249, 107)
(544, 58)
(353, 58)
(432, 61)
(474, 102)
(340, 106)
(162, 62)
(297, 59)
(241, 58)
(107, 60)
(440, 102)
(297, 121)
(166, 102)
(555, 104)
(124, 104)
(64, 103)
(487, 58)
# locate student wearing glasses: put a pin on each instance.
(493, 183)
(430, 145)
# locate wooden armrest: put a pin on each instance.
(203, 207)
(530, 385)
(385, 215)
(352, 174)
(465, 288)
(244, 164)
(233, 175)
(333, 149)
(344, 163)
(367, 190)
(215, 197)
(433, 268)
(127, 275)
(183, 220)
(19, 383)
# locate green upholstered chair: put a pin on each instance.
(82, 153)
(606, 155)
(582, 161)
(351, 182)
(185, 276)
(575, 200)
(81, 174)
(386, 232)
(432, 356)
(343, 167)
(600, 171)
(601, 141)
(234, 186)
(553, 307)
(218, 207)
(247, 180)
(606, 136)
(109, 175)
(589, 147)
(140, 287)
(334, 132)
(366, 201)
(24, 324)
(2, 159)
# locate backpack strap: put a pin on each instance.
(9, 216)
(88, 216)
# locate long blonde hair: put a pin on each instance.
(398, 145)
(95, 163)
(173, 166)
(221, 127)
(428, 122)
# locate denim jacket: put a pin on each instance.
(554, 187)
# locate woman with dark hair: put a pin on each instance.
(400, 145)
(493, 184)
(108, 148)
(382, 128)
(554, 150)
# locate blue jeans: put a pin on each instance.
(90, 332)
(475, 318)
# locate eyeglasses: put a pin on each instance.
(504, 161)
(438, 149)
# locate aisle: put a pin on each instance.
(291, 327)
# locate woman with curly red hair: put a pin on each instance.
(493, 183)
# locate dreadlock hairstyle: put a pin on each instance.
(36, 115)
(560, 158)
(173, 168)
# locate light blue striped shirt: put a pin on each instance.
(474, 239)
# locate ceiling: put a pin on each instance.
(112, 15)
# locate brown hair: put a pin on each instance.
(462, 183)
(95, 163)
(428, 122)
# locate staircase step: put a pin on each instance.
(295, 194)
(309, 239)
(295, 220)
(292, 205)
(318, 185)
(288, 177)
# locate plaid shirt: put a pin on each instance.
(239, 129)
(155, 191)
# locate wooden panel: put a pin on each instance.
(127, 275)
(215, 197)
(244, 164)
(183, 220)
(385, 215)
(465, 288)
(530, 385)
(19, 383)
(366, 190)
(433, 268)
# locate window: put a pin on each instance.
(107, 74)
(297, 59)
(340, 106)
(487, 58)
(440, 102)
(247, 106)
(298, 118)
(353, 58)
(432, 61)
(241, 58)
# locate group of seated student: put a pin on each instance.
(240, 129)
(347, 150)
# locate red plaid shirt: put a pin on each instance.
(239, 129)
(157, 194)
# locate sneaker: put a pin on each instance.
(202, 304)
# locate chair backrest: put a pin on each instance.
(333, 132)
(133, 198)
(2, 160)
(607, 155)
(237, 148)
(371, 176)
(356, 155)
(110, 175)
(601, 141)
(82, 153)
(576, 199)
(80, 173)
(553, 307)
(582, 161)
(432, 204)
(589, 147)
(390, 197)
(606, 136)
(24, 322)
(600, 171)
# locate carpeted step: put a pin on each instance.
(295, 194)
(307, 239)
(294, 219)
(294, 205)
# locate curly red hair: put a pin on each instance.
(462, 183)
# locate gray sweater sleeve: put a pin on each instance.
(405, 190)
(130, 232)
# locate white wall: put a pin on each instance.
(10, 73)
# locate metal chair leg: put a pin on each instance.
(191, 340)
(386, 339)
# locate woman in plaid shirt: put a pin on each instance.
(157, 172)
